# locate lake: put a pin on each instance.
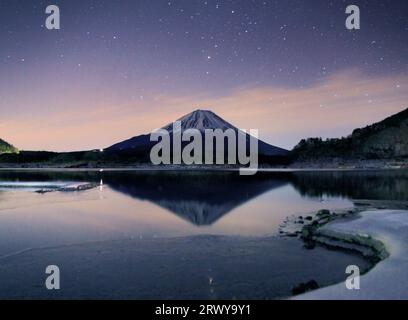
(174, 234)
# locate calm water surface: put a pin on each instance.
(163, 205)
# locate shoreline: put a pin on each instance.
(195, 169)
(383, 233)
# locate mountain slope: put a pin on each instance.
(6, 147)
(387, 139)
(200, 120)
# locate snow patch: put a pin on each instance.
(388, 279)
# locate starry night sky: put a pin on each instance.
(118, 68)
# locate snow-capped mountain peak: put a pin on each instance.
(201, 120)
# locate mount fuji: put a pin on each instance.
(200, 120)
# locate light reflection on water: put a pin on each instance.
(134, 204)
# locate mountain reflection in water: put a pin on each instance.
(197, 198)
(202, 198)
(226, 231)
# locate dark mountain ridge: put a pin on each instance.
(387, 139)
(6, 147)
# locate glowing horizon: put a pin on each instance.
(118, 69)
